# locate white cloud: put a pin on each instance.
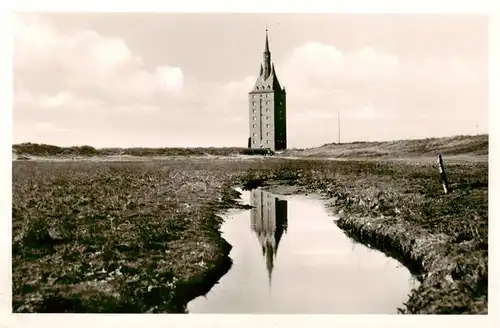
(320, 65)
(240, 86)
(85, 61)
(49, 127)
(61, 101)
(85, 55)
(170, 78)
(97, 85)
(363, 113)
(62, 98)
(370, 85)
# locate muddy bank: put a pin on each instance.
(201, 283)
(425, 255)
(442, 240)
(217, 267)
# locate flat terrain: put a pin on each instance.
(142, 236)
(459, 147)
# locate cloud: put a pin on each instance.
(88, 80)
(319, 65)
(372, 85)
(95, 89)
(49, 127)
(170, 78)
(364, 113)
(85, 62)
(322, 66)
(86, 55)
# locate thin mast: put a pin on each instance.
(338, 125)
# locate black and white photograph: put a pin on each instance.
(250, 163)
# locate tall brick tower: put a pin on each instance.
(267, 104)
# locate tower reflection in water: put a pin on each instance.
(269, 222)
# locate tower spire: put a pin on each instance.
(267, 58)
(266, 49)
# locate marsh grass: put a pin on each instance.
(143, 236)
(115, 237)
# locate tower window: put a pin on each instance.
(254, 110)
(255, 134)
(254, 118)
(254, 125)
(267, 109)
(257, 88)
(253, 103)
(268, 125)
(267, 117)
(268, 141)
(253, 141)
(268, 134)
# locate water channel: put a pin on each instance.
(290, 257)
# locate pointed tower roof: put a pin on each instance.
(266, 47)
(267, 79)
(269, 262)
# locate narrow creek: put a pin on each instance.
(290, 257)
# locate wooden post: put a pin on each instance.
(444, 181)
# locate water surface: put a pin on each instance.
(290, 257)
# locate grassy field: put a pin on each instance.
(92, 236)
(450, 146)
(117, 237)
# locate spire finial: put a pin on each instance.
(266, 49)
(267, 59)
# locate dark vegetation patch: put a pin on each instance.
(250, 151)
(33, 149)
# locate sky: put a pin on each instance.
(165, 80)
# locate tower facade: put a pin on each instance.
(267, 105)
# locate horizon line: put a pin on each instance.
(206, 147)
